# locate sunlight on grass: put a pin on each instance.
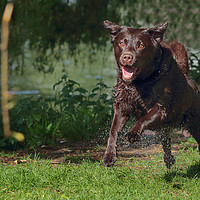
(136, 179)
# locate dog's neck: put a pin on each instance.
(161, 69)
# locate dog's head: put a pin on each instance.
(137, 51)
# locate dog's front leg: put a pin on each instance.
(153, 118)
(118, 123)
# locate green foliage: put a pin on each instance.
(42, 26)
(9, 143)
(85, 113)
(194, 61)
(181, 14)
(36, 118)
(72, 113)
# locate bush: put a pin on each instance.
(84, 114)
(72, 113)
(36, 118)
(194, 62)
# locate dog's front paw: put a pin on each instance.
(109, 159)
(132, 137)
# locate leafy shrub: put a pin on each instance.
(194, 62)
(84, 114)
(35, 117)
(72, 113)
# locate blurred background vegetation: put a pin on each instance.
(57, 41)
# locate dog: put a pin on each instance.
(153, 86)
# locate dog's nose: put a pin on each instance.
(127, 58)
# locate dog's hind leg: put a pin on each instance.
(194, 130)
(166, 143)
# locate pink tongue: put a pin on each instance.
(127, 72)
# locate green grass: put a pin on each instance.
(133, 179)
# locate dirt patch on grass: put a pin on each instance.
(67, 152)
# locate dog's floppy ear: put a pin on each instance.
(158, 31)
(113, 28)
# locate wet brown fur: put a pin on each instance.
(161, 95)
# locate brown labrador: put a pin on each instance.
(153, 86)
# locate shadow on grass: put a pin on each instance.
(80, 158)
(191, 172)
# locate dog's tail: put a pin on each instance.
(180, 55)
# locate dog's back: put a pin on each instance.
(180, 55)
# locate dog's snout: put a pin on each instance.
(127, 58)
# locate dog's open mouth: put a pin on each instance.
(129, 72)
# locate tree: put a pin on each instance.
(42, 25)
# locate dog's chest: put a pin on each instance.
(129, 100)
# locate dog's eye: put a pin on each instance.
(122, 44)
(140, 46)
